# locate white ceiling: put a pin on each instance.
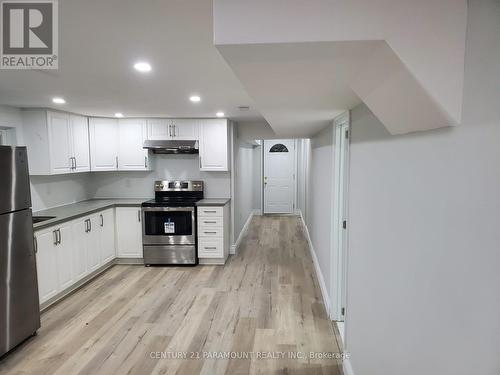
(101, 40)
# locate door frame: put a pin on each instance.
(294, 183)
(340, 209)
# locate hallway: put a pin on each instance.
(264, 303)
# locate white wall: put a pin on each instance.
(257, 178)
(424, 231)
(141, 184)
(10, 118)
(319, 157)
(247, 160)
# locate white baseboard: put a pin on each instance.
(257, 212)
(322, 284)
(235, 246)
(347, 367)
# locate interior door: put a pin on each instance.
(131, 155)
(60, 142)
(340, 220)
(81, 146)
(279, 160)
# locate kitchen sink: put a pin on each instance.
(39, 219)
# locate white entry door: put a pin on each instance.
(279, 159)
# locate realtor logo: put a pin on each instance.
(29, 35)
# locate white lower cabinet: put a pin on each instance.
(213, 234)
(68, 252)
(107, 235)
(129, 232)
(46, 264)
(65, 253)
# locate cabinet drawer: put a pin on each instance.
(210, 247)
(206, 222)
(210, 232)
(210, 211)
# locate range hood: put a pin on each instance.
(171, 146)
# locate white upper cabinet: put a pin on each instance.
(81, 143)
(182, 129)
(185, 129)
(159, 129)
(60, 142)
(57, 142)
(214, 155)
(131, 155)
(103, 144)
(116, 145)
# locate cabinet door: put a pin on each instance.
(103, 144)
(65, 252)
(213, 145)
(92, 242)
(185, 129)
(160, 129)
(129, 232)
(81, 143)
(60, 144)
(107, 235)
(46, 264)
(131, 155)
(79, 249)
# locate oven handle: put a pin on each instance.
(168, 209)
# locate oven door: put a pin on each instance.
(168, 226)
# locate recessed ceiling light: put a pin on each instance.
(142, 67)
(118, 114)
(195, 98)
(220, 114)
(58, 100)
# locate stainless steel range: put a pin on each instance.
(169, 223)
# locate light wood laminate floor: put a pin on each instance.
(264, 302)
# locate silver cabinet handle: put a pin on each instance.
(54, 233)
(90, 225)
(170, 130)
(116, 159)
(71, 163)
(76, 165)
(145, 161)
(102, 220)
(210, 211)
(139, 215)
(210, 222)
(59, 235)
(210, 248)
(35, 244)
(86, 226)
(175, 130)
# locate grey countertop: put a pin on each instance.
(75, 210)
(213, 202)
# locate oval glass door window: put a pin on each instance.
(279, 147)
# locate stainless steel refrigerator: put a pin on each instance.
(19, 304)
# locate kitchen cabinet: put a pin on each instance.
(103, 144)
(129, 232)
(107, 235)
(117, 145)
(185, 129)
(80, 266)
(92, 242)
(131, 155)
(46, 263)
(181, 129)
(213, 234)
(57, 142)
(214, 153)
(81, 143)
(65, 253)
